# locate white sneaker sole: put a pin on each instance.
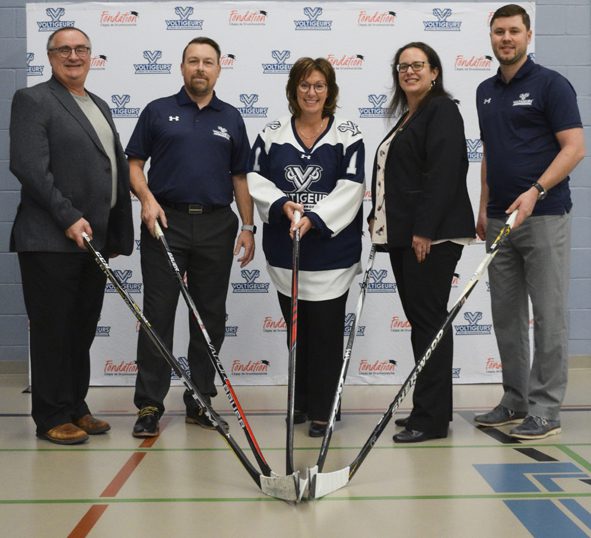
(555, 431)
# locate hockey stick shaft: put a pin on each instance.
(346, 360)
(171, 360)
(412, 378)
(214, 357)
(293, 339)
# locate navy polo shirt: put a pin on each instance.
(193, 152)
(518, 122)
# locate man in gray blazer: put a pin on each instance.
(65, 151)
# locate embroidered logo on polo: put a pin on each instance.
(473, 326)
(523, 100)
(313, 22)
(33, 70)
(249, 110)
(184, 22)
(487, 101)
(55, 14)
(279, 67)
(122, 111)
(152, 67)
(442, 24)
(221, 131)
(174, 118)
(376, 110)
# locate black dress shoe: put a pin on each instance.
(402, 422)
(414, 436)
(317, 429)
(147, 422)
(299, 417)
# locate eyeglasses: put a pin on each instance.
(416, 67)
(319, 87)
(65, 52)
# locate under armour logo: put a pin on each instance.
(378, 275)
(120, 100)
(152, 55)
(249, 99)
(376, 100)
(173, 118)
(302, 178)
(304, 156)
(123, 275)
(183, 12)
(312, 12)
(442, 14)
(349, 126)
(472, 317)
(280, 55)
(487, 101)
(55, 13)
(250, 275)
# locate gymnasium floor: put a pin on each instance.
(187, 483)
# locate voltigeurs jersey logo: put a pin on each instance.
(279, 67)
(302, 177)
(523, 100)
(271, 325)
(152, 67)
(473, 326)
(346, 61)
(248, 110)
(119, 18)
(376, 18)
(442, 24)
(377, 367)
(313, 22)
(124, 276)
(184, 22)
(250, 286)
(120, 110)
(474, 147)
(377, 110)
(55, 14)
(398, 325)
(121, 368)
(378, 282)
(250, 368)
(247, 18)
(473, 63)
(33, 70)
(349, 319)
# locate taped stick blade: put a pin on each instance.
(321, 484)
(287, 488)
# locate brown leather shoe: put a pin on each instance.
(92, 425)
(65, 434)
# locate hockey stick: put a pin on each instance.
(315, 475)
(282, 482)
(293, 338)
(337, 479)
(266, 484)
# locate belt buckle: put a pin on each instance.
(195, 209)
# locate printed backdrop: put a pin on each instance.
(136, 57)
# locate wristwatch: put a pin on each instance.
(249, 228)
(542, 193)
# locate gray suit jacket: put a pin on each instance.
(65, 174)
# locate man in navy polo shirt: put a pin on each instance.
(198, 150)
(532, 135)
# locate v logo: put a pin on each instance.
(302, 178)
(183, 12)
(376, 100)
(249, 99)
(152, 55)
(280, 55)
(250, 275)
(442, 14)
(55, 13)
(312, 12)
(120, 100)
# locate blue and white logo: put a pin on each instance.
(279, 67)
(103, 331)
(33, 70)
(124, 277)
(376, 110)
(349, 126)
(55, 14)
(250, 286)
(312, 22)
(184, 22)
(474, 146)
(378, 282)
(442, 24)
(184, 364)
(455, 373)
(152, 67)
(302, 177)
(249, 110)
(349, 318)
(473, 326)
(122, 111)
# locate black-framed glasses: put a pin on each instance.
(416, 67)
(319, 87)
(81, 51)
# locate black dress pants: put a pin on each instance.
(424, 290)
(63, 296)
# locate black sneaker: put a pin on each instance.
(196, 415)
(147, 422)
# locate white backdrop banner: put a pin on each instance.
(136, 58)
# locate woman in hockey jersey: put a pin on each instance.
(422, 216)
(313, 162)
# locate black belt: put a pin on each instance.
(191, 209)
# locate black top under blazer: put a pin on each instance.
(425, 177)
(65, 174)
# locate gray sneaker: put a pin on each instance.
(536, 428)
(499, 416)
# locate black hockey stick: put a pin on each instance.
(337, 479)
(315, 473)
(267, 484)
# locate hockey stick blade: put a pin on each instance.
(321, 484)
(288, 488)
